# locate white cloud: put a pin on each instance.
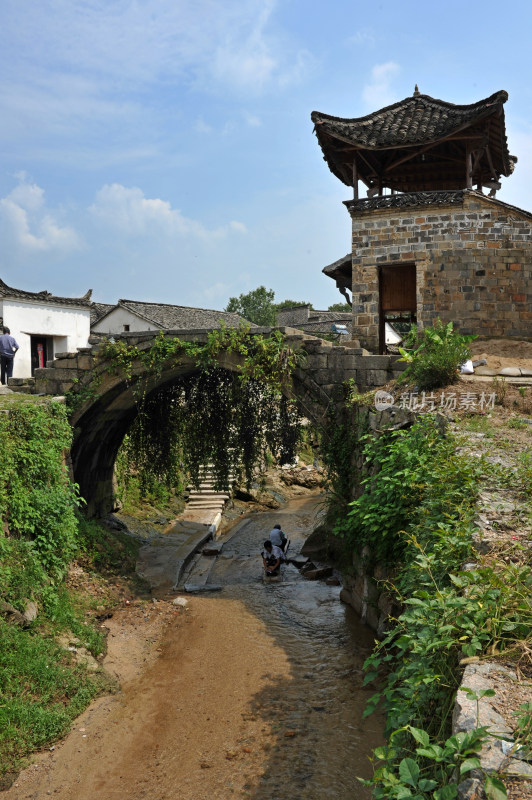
(27, 227)
(124, 42)
(129, 211)
(238, 226)
(27, 196)
(202, 127)
(363, 38)
(379, 92)
(214, 293)
(94, 82)
(252, 120)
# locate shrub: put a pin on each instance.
(436, 357)
(37, 499)
(413, 478)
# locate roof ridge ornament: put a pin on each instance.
(416, 91)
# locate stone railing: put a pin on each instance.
(441, 198)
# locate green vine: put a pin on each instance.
(37, 500)
(227, 418)
(267, 359)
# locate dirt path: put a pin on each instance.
(182, 727)
(254, 692)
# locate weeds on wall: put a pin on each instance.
(404, 472)
(416, 515)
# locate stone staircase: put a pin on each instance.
(205, 504)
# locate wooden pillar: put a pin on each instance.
(355, 179)
(469, 168)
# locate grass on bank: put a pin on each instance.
(42, 687)
(416, 514)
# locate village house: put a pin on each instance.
(314, 322)
(43, 325)
(427, 242)
(132, 315)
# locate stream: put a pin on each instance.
(322, 698)
(250, 692)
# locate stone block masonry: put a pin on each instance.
(473, 264)
(320, 379)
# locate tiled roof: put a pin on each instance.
(415, 121)
(99, 310)
(328, 316)
(172, 317)
(340, 271)
(324, 326)
(44, 296)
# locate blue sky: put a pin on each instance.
(163, 150)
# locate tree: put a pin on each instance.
(256, 306)
(290, 304)
(340, 307)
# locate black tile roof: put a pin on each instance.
(44, 296)
(413, 122)
(340, 271)
(173, 317)
(99, 310)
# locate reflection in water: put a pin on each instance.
(323, 700)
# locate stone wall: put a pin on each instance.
(325, 368)
(363, 584)
(107, 404)
(473, 261)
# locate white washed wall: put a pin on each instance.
(116, 319)
(69, 326)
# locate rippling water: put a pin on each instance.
(323, 700)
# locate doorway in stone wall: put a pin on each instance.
(397, 303)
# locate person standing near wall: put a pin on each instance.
(8, 348)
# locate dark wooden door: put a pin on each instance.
(397, 296)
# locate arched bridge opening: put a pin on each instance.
(106, 398)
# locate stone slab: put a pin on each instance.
(522, 381)
(195, 588)
(163, 560)
(477, 677)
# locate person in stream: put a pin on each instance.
(278, 538)
(272, 558)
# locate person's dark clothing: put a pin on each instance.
(8, 348)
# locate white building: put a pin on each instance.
(128, 316)
(43, 325)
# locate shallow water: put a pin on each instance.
(326, 645)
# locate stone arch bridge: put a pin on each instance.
(103, 418)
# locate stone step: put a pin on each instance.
(208, 492)
(201, 504)
(222, 498)
(205, 485)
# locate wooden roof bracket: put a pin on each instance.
(343, 292)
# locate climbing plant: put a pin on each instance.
(341, 438)
(226, 418)
(37, 499)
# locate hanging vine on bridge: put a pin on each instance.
(224, 418)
